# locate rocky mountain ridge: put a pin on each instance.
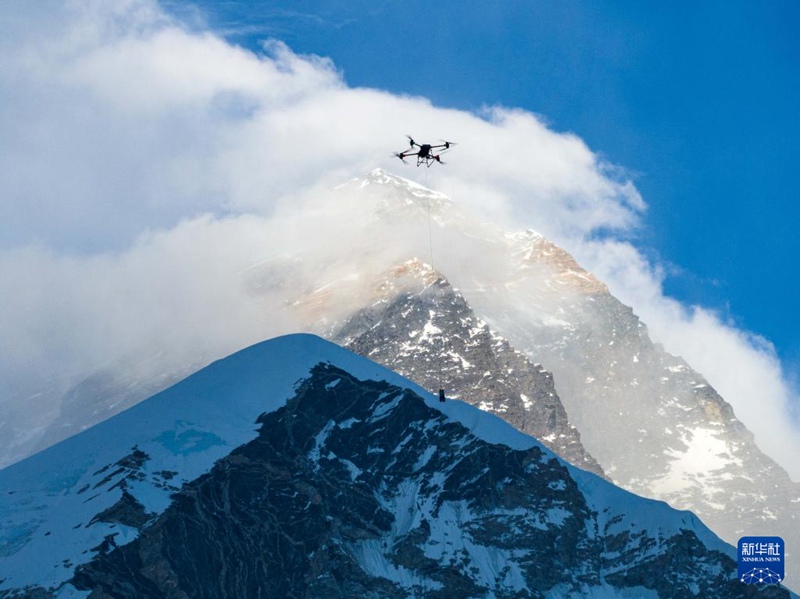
(348, 480)
(654, 425)
(423, 329)
(651, 423)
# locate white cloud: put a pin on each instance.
(145, 167)
(179, 292)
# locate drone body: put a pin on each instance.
(425, 153)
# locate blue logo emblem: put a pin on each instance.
(761, 560)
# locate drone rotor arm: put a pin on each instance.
(411, 141)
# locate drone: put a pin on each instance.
(425, 152)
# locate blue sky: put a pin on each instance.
(698, 101)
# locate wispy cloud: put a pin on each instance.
(145, 166)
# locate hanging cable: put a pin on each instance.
(428, 154)
(430, 229)
(433, 270)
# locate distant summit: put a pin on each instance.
(422, 328)
(653, 424)
(507, 321)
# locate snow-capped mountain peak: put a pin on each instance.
(504, 319)
(423, 328)
(295, 468)
(398, 196)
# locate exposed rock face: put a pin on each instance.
(358, 488)
(425, 330)
(654, 424)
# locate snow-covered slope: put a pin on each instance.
(655, 425)
(623, 391)
(50, 501)
(295, 467)
(424, 329)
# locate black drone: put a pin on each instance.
(425, 153)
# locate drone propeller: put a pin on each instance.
(411, 141)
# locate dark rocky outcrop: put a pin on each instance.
(358, 488)
(425, 330)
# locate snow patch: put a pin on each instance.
(705, 454)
